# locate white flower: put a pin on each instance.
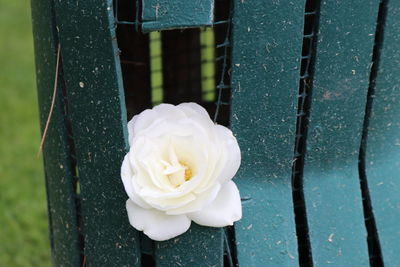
(179, 169)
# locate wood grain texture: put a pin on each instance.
(98, 117)
(383, 145)
(267, 42)
(331, 179)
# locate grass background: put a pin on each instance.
(23, 213)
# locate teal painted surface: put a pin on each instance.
(383, 145)
(331, 178)
(267, 41)
(60, 194)
(98, 117)
(200, 247)
(176, 14)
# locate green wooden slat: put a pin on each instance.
(181, 59)
(383, 145)
(200, 247)
(176, 14)
(98, 117)
(267, 42)
(331, 178)
(60, 193)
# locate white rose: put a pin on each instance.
(179, 169)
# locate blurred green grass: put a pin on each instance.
(23, 213)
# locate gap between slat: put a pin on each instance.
(311, 24)
(374, 248)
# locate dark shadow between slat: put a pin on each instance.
(311, 24)
(374, 248)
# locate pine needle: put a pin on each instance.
(53, 100)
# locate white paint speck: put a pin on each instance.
(330, 238)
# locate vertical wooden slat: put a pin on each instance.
(200, 246)
(383, 145)
(267, 42)
(98, 118)
(59, 175)
(331, 179)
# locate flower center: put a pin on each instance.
(188, 173)
(177, 171)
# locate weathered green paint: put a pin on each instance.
(98, 117)
(176, 14)
(200, 246)
(267, 41)
(383, 146)
(60, 193)
(331, 178)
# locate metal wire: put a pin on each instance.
(203, 80)
(224, 79)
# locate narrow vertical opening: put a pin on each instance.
(156, 69)
(207, 44)
(134, 57)
(181, 66)
(311, 18)
(175, 66)
(374, 248)
(230, 252)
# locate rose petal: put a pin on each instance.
(232, 163)
(162, 203)
(141, 122)
(155, 224)
(223, 211)
(168, 111)
(193, 109)
(202, 200)
(126, 175)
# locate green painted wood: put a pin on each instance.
(267, 42)
(64, 235)
(331, 179)
(98, 118)
(200, 246)
(176, 14)
(383, 145)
